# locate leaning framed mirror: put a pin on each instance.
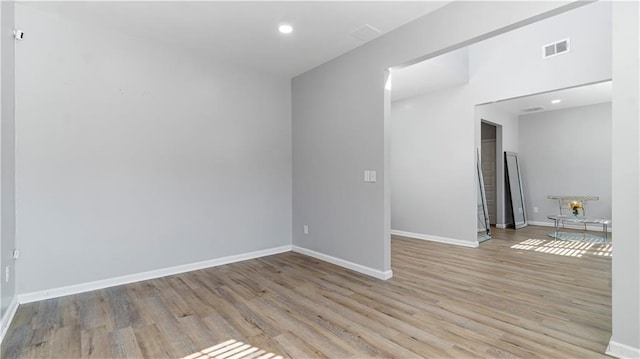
(514, 188)
(484, 229)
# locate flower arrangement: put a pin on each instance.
(575, 206)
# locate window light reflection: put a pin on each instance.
(565, 248)
(232, 349)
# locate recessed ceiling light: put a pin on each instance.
(285, 28)
(556, 101)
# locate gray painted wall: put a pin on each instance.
(338, 112)
(339, 123)
(132, 156)
(566, 152)
(7, 155)
(339, 130)
(319, 99)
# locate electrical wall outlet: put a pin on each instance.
(535, 209)
(305, 229)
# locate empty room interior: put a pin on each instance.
(205, 179)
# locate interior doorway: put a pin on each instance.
(488, 161)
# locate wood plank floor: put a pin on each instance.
(519, 295)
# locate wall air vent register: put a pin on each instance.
(557, 48)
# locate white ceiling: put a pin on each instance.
(572, 97)
(245, 33)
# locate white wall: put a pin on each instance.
(504, 66)
(132, 156)
(625, 340)
(7, 158)
(425, 164)
(566, 152)
(512, 64)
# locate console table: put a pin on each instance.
(563, 201)
(562, 218)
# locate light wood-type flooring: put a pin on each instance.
(519, 295)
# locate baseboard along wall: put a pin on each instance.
(384, 275)
(112, 282)
(427, 237)
(622, 351)
(7, 318)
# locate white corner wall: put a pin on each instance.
(134, 157)
(566, 152)
(625, 339)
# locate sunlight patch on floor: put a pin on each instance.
(603, 250)
(565, 248)
(233, 349)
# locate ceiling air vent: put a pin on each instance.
(532, 109)
(556, 48)
(366, 33)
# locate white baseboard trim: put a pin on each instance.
(595, 228)
(501, 226)
(131, 278)
(384, 275)
(622, 351)
(7, 318)
(426, 237)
